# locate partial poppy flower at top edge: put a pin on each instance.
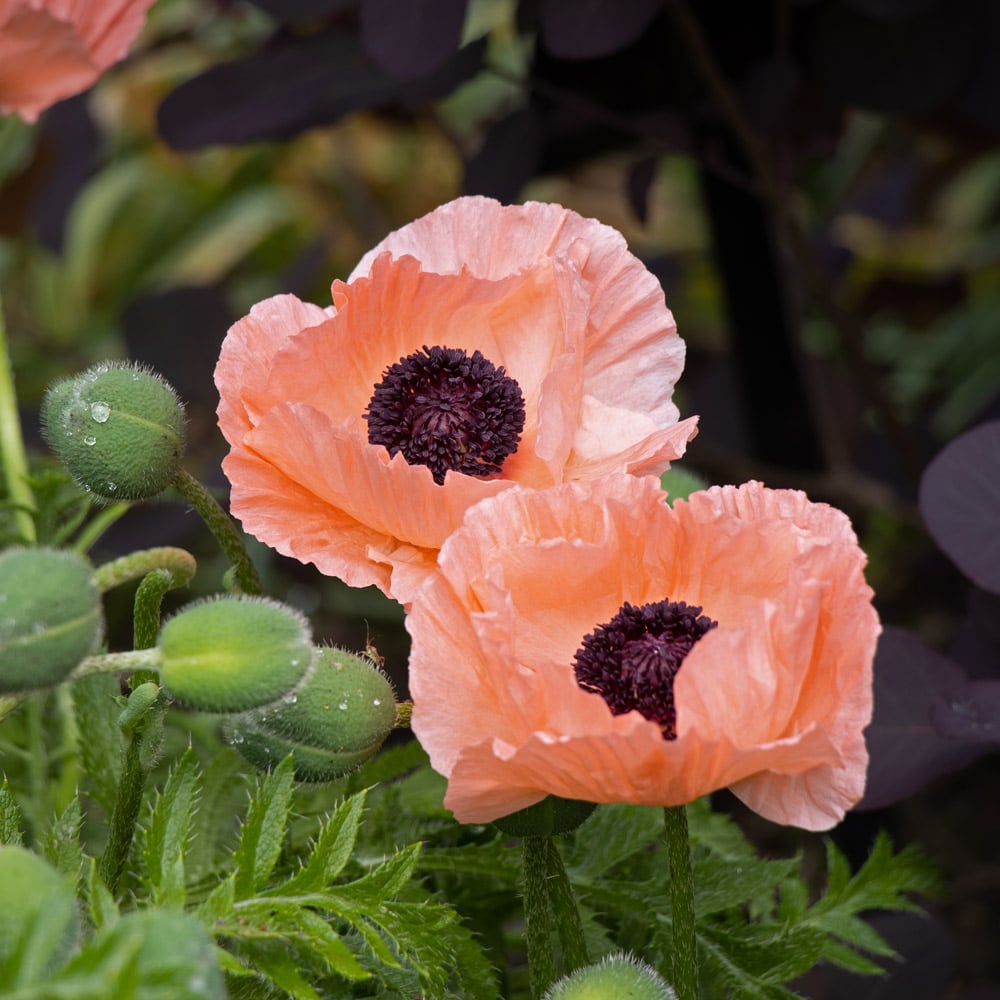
(480, 347)
(596, 644)
(52, 49)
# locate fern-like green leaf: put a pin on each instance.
(61, 844)
(332, 848)
(264, 830)
(167, 833)
(11, 822)
(96, 708)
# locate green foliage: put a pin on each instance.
(11, 822)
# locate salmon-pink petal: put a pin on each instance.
(627, 317)
(53, 49)
(527, 324)
(243, 373)
(374, 503)
(556, 300)
(773, 701)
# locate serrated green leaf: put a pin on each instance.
(219, 905)
(96, 709)
(388, 878)
(721, 885)
(838, 871)
(101, 906)
(718, 834)
(10, 817)
(328, 944)
(494, 859)
(167, 833)
(61, 844)
(332, 849)
(611, 834)
(847, 958)
(264, 830)
(213, 832)
(281, 970)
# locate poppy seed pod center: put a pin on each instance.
(632, 660)
(446, 410)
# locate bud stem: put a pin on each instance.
(404, 712)
(179, 563)
(548, 899)
(685, 966)
(126, 662)
(221, 525)
(15, 463)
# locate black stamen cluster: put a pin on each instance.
(446, 410)
(631, 661)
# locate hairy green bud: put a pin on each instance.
(614, 976)
(118, 428)
(548, 818)
(50, 616)
(37, 909)
(230, 654)
(331, 723)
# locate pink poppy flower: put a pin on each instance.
(475, 349)
(595, 644)
(52, 49)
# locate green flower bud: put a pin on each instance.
(37, 904)
(548, 818)
(614, 976)
(50, 616)
(118, 428)
(229, 654)
(331, 723)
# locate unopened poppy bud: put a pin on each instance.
(118, 428)
(548, 818)
(50, 616)
(230, 654)
(615, 976)
(331, 723)
(29, 885)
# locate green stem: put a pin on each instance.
(125, 814)
(146, 614)
(126, 662)
(221, 525)
(537, 916)
(564, 909)
(685, 965)
(15, 462)
(177, 562)
(37, 764)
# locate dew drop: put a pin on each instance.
(377, 701)
(343, 706)
(90, 440)
(100, 412)
(111, 487)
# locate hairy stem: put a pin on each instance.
(537, 916)
(685, 965)
(221, 525)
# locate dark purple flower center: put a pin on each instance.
(631, 662)
(445, 410)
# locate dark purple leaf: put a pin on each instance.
(298, 83)
(587, 29)
(976, 644)
(892, 8)
(411, 39)
(508, 158)
(969, 712)
(906, 752)
(960, 503)
(640, 179)
(299, 11)
(895, 66)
